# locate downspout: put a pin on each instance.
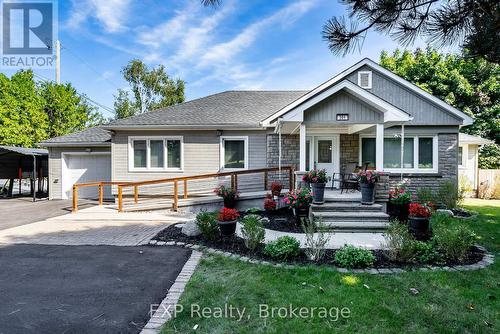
(402, 148)
(34, 178)
(279, 147)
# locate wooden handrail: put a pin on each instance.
(184, 179)
(100, 188)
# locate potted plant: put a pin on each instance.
(317, 179)
(228, 195)
(418, 219)
(367, 180)
(227, 221)
(299, 200)
(276, 189)
(400, 198)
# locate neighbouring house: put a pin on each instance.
(365, 114)
(468, 159)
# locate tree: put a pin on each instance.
(151, 89)
(472, 23)
(31, 112)
(469, 84)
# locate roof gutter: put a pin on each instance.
(73, 144)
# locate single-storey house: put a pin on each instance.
(365, 114)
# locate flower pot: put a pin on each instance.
(401, 211)
(227, 229)
(276, 194)
(230, 203)
(302, 212)
(367, 193)
(419, 227)
(318, 191)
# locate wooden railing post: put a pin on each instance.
(265, 180)
(75, 198)
(120, 198)
(235, 182)
(101, 194)
(185, 189)
(136, 194)
(176, 196)
(290, 178)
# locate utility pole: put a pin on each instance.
(58, 62)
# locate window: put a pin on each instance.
(462, 156)
(155, 153)
(308, 154)
(234, 152)
(365, 79)
(420, 153)
(324, 151)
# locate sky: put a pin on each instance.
(242, 45)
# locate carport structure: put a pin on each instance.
(24, 163)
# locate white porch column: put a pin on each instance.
(380, 147)
(302, 148)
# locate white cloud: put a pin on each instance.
(111, 14)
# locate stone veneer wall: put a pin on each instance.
(349, 150)
(290, 154)
(447, 167)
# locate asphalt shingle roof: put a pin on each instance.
(90, 135)
(23, 150)
(240, 108)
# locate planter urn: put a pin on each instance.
(367, 193)
(230, 203)
(419, 227)
(302, 212)
(318, 192)
(401, 211)
(227, 228)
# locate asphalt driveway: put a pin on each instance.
(22, 210)
(83, 289)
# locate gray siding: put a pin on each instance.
(201, 156)
(423, 111)
(343, 103)
(55, 167)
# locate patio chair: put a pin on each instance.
(347, 178)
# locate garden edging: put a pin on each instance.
(487, 260)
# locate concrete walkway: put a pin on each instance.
(97, 225)
(336, 241)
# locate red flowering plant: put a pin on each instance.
(368, 176)
(298, 198)
(227, 215)
(316, 176)
(269, 203)
(420, 210)
(399, 195)
(276, 188)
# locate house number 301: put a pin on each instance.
(342, 117)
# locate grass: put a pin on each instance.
(447, 302)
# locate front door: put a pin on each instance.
(326, 153)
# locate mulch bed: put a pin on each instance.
(281, 219)
(236, 245)
(461, 213)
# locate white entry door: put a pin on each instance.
(86, 168)
(327, 155)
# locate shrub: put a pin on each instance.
(448, 194)
(227, 215)
(253, 210)
(207, 224)
(424, 252)
(315, 244)
(353, 257)
(454, 242)
(283, 248)
(253, 231)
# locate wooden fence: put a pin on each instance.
(489, 184)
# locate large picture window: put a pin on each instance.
(155, 153)
(234, 152)
(420, 153)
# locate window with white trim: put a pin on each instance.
(419, 153)
(462, 156)
(365, 79)
(234, 152)
(155, 153)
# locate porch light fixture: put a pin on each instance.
(218, 133)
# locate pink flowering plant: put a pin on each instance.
(226, 193)
(298, 198)
(316, 176)
(399, 195)
(368, 176)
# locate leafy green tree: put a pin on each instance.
(471, 84)
(31, 112)
(151, 89)
(23, 120)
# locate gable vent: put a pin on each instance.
(365, 79)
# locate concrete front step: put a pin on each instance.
(352, 216)
(345, 206)
(352, 226)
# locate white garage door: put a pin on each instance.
(84, 169)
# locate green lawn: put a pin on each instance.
(447, 302)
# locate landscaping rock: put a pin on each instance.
(191, 229)
(449, 213)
